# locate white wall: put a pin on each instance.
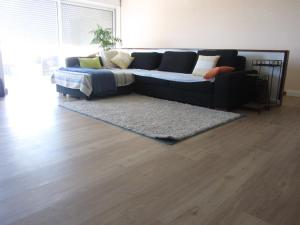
(256, 24)
(109, 2)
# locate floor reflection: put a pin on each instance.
(30, 104)
(29, 136)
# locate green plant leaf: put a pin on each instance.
(104, 38)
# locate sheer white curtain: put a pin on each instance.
(36, 33)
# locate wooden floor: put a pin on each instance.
(58, 167)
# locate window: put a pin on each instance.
(77, 22)
(28, 35)
(30, 21)
(33, 33)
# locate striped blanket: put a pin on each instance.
(91, 80)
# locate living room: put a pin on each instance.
(181, 112)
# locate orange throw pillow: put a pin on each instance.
(217, 70)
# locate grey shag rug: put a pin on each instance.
(152, 117)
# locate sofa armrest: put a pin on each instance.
(231, 90)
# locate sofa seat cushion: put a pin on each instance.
(169, 76)
(228, 57)
(146, 60)
(179, 62)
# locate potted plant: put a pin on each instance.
(104, 38)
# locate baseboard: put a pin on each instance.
(293, 93)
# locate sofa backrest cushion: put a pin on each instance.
(146, 60)
(72, 62)
(178, 62)
(228, 57)
(240, 63)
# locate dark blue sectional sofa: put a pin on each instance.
(228, 91)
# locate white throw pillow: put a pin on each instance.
(204, 64)
(106, 58)
(122, 60)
